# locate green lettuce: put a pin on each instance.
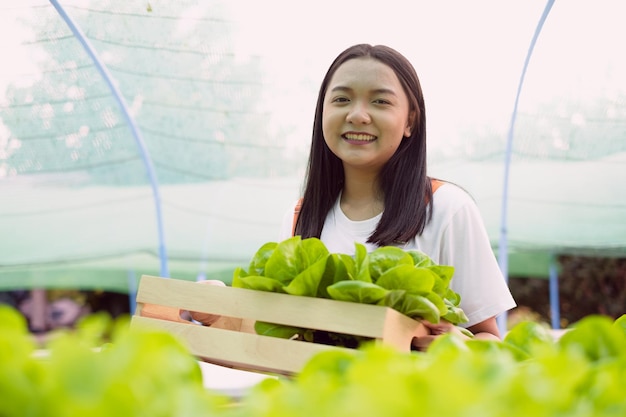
(405, 280)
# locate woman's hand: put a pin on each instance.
(486, 329)
(437, 330)
(205, 318)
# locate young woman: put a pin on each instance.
(367, 182)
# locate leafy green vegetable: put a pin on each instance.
(454, 313)
(357, 291)
(527, 335)
(457, 378)
(276, 330)
(444, 274)
(307, 282)
(260, 283)
(101, 368)
(257, 264)
(598, 337)
(416, 306)
(336, 271)
(383, 259)
(413, 280)
(358, 267)
(285, 261)
(407, 281)
(620, 323)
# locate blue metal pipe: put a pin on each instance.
(503, 250)
(555, 309)
(132, 290)
(164, 271)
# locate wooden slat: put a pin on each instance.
(240, 350)
(232, 342)
(308, 312)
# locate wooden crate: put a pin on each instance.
(232, 341)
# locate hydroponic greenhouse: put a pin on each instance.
(170, 138)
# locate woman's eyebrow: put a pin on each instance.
(341, 88)
(384, 91)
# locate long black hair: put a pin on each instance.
(403, 180)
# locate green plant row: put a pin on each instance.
(407, 281)
(103, 369)
(100, 369)
(583, 374)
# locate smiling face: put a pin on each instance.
(365, 115)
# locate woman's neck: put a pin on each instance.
(361, 198)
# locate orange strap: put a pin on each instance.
(435, 184)
(296, 213)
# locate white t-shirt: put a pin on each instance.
(455, 236)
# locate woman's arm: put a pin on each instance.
(487, 329)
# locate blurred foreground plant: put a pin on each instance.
(528, 374)
(149, 373)
(136, 373)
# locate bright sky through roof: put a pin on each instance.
(469, 55)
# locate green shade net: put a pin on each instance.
(77, 205)
(223, 94)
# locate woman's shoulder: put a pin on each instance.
(451, 192)
(451, 199)
(454, 212)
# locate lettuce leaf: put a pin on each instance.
(306, 283)
(384, 258)
(407, 277)
(357, 291)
